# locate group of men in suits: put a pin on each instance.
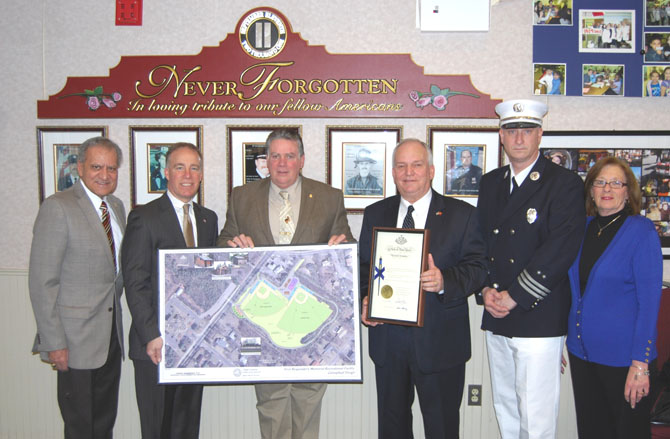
(80, 261)
(512, 251)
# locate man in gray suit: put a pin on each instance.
(286, 209)
(75, 287)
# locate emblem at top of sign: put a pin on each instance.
(262, 34)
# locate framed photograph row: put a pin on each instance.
(57, 155)
(358, 158)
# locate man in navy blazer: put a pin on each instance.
(169, 222)
(429, 358)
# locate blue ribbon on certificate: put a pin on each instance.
(379, 274)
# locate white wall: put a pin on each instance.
(45, 42)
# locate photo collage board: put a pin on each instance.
(647, 153)
(605, 48)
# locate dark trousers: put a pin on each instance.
(439, 393)
(602, 410)
(88, 398)
(167, 411)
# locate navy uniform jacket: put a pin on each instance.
(468, 183)
(458, 251)
(532, 239)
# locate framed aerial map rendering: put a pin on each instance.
(264, 314)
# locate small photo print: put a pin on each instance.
(552, 12)
(464, 166)
(656, 81)
(634, 159)
(657, 47)
(657, 13)
(563, 157)
(255, 162)
(606, 31)
(363, 169)
(549, 79)
(157, 160)
(602, 80)
(655, 187)
(65, 165)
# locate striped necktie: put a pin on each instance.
(408, 222)
(107, 224)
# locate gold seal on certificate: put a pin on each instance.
(399, 256)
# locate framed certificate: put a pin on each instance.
(399, 256)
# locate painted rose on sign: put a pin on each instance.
(438, 97)
(96, 97)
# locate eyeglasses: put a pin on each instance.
(614, 184)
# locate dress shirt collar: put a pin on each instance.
(178, 204)
(420, 213)
(95, 200)
(293, 190)
(521, 176)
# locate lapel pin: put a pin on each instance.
(531, 215)
(534, 175)
(506, 174)
(438, 213)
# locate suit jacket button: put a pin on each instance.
(512, 232)
(496, 231)
(110, 309)
(511, 260)
(495, 285)
(492, 259)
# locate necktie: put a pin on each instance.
(408, 222)
(107, 224)
(188, 228)
(515, 187)
(286, 226)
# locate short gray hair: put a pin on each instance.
(99, 141)
(287, 134)
(422, 143)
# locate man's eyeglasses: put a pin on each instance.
(614, 184)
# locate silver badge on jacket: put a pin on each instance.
(531, 215)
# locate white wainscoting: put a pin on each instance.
(28, 408)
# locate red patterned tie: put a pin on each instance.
(107, 224)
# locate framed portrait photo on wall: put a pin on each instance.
(148, 150)
(57, 156)
(247, 161)
(461, 155)
(359, 163)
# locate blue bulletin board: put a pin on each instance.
(614, 37)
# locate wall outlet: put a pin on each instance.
(475, 394)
